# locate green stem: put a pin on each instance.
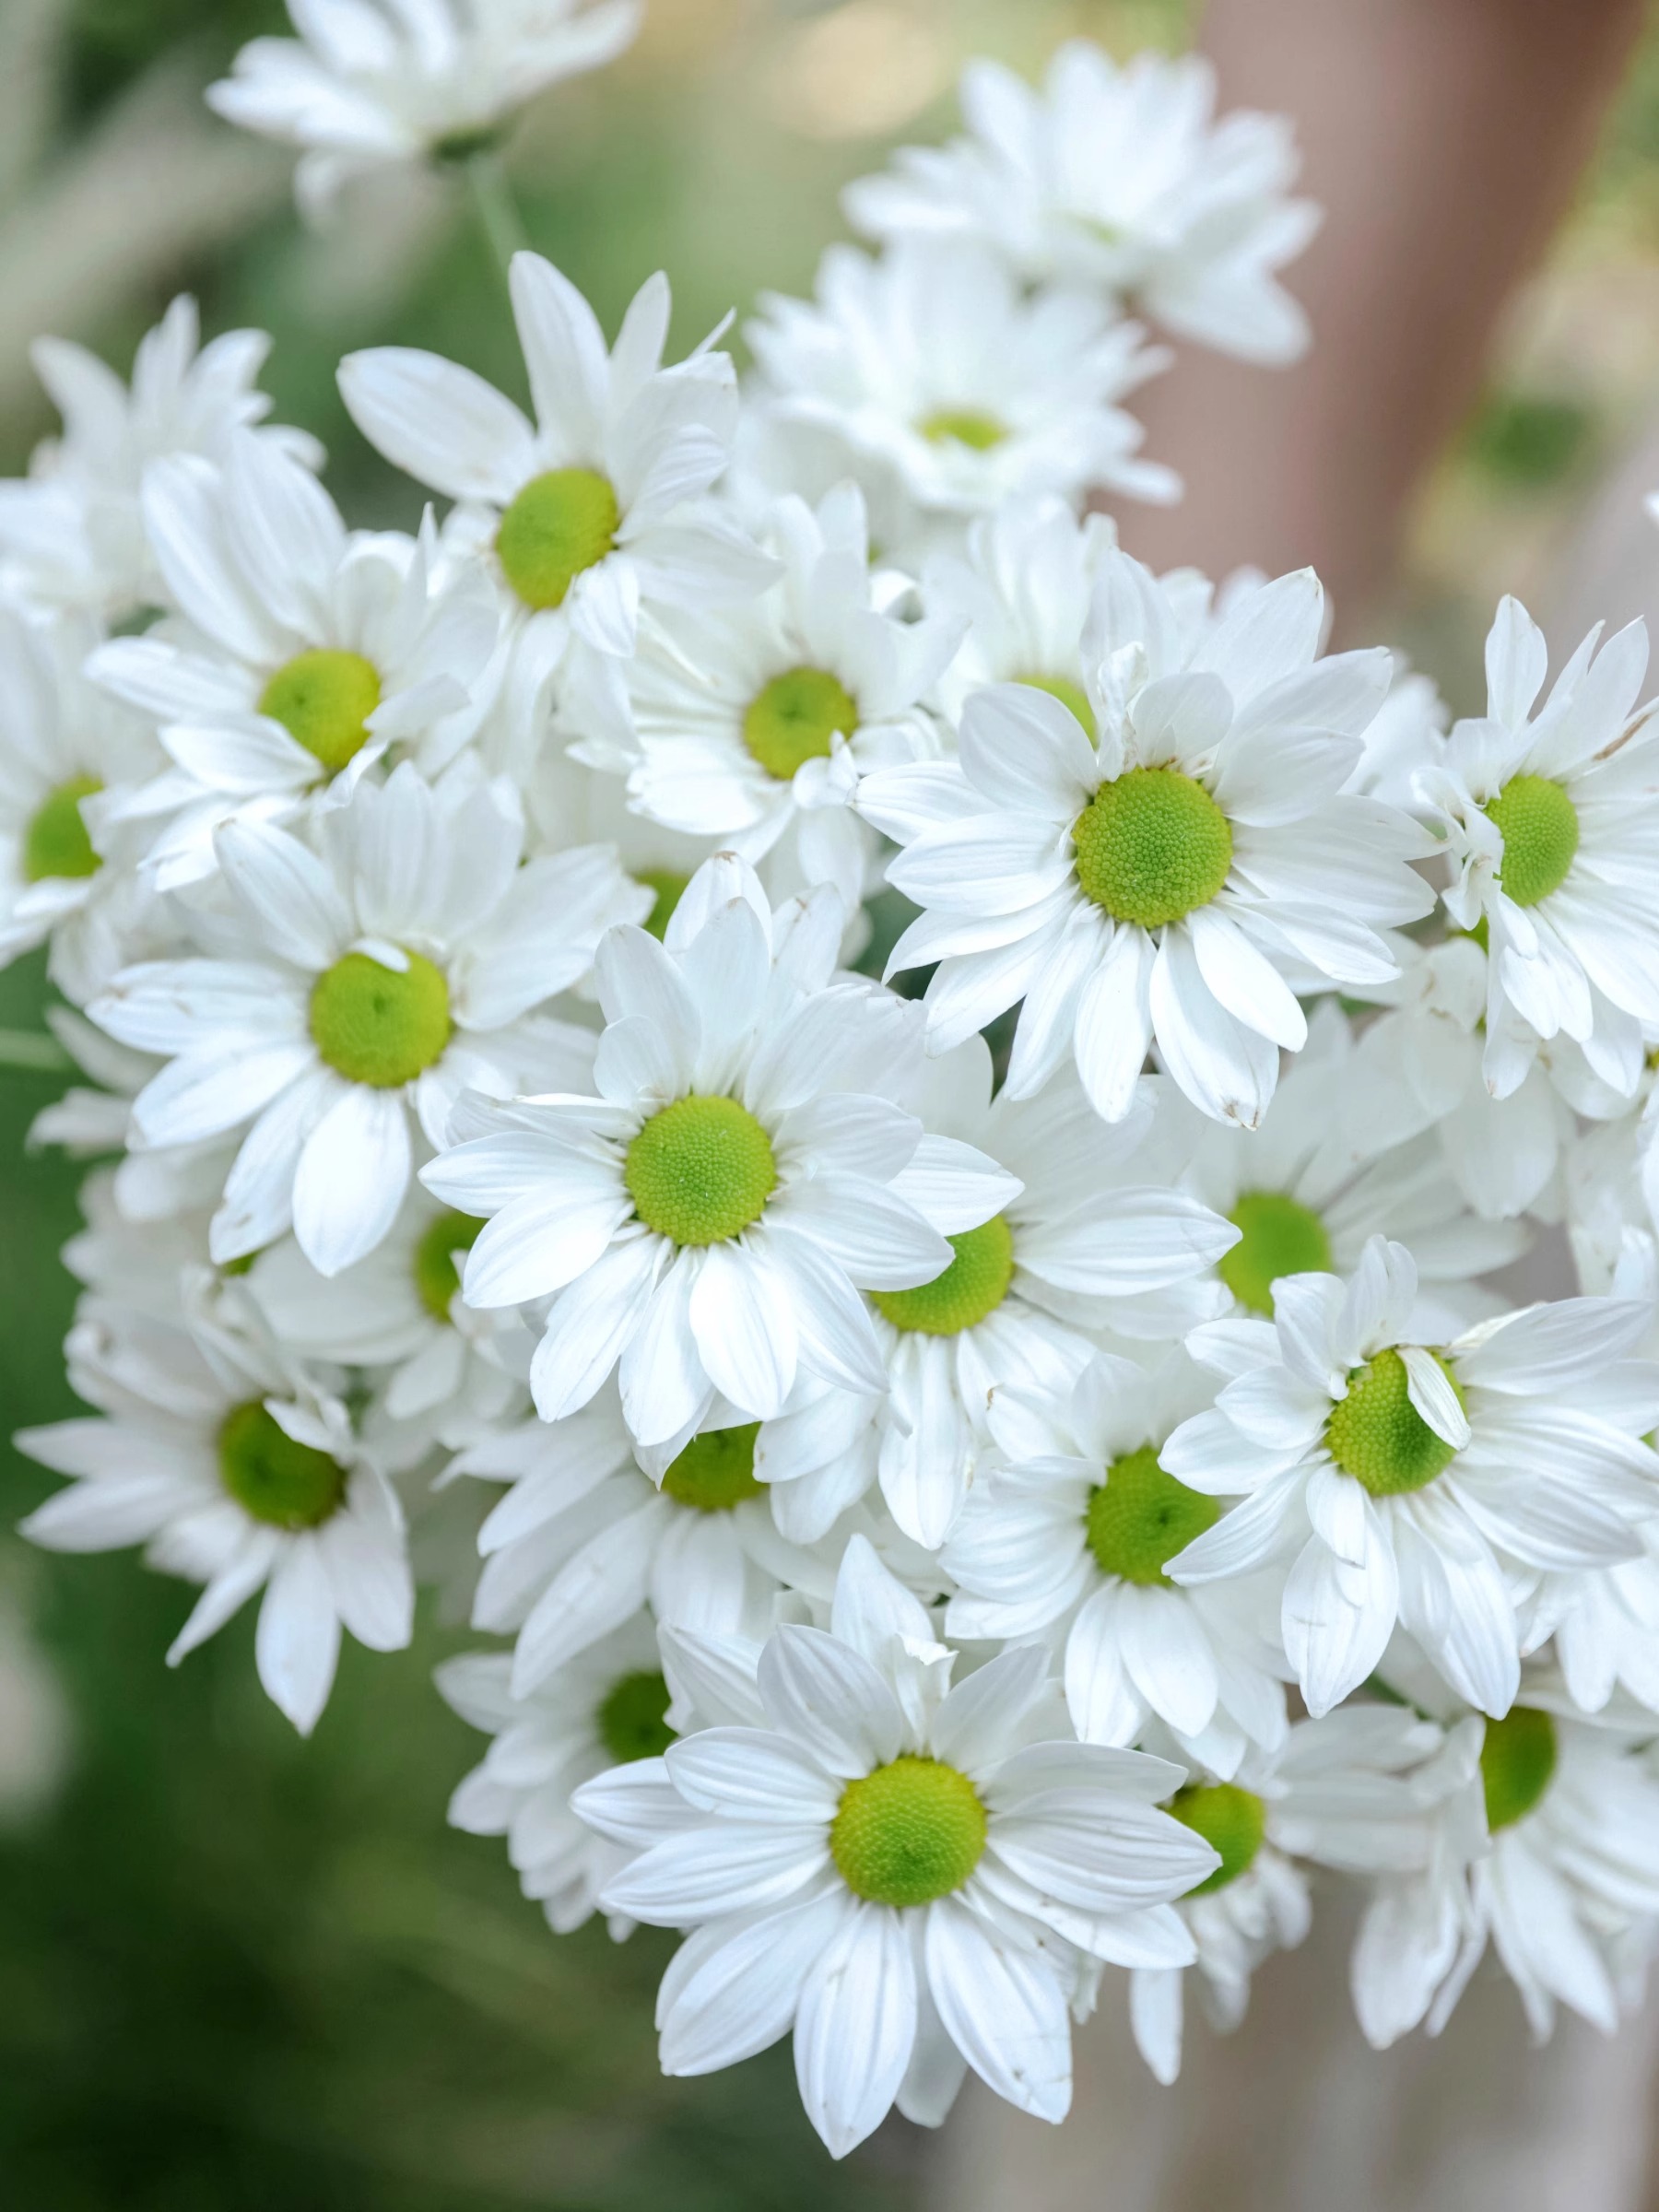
(497, 210)
(35, 1053)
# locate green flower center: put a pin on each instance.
(632, 1719)
(1230, 1820)
(973, 1285)
(437, 1277)
(1070, 695)
(793, 719)
(373, 1025)
(277, 1481)
(1517, 1763)
(1151, 845)
(909, 1832)
(559, 525)
(716, 1470)
(1540, 829)
(1280, 1237)
(700, 1171)
(56, 841)
(963, 426)
(669, 890)
(1140, 1517)
(1378, 1436)
(323, 700)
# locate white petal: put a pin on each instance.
(856, 2027)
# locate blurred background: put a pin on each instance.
(239, 1973)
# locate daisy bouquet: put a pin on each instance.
(882, 1138)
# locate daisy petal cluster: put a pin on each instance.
(966, 1495)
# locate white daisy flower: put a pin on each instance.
(711, 1217)
(596, 508)
(1341, 1793)
(355, 992)
(1120, 177)
(1552, 826)
(1066, 1536)
(917, 1880)
(1177, 881)
(72, 534)
(753, 727)
(304, 654)
(931, 366)
(235, 1469)
(1397, 1481)
(370, 85)
(66, 877)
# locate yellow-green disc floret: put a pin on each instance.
(1281, 1237)
(283, 1484)
(791, 720)
(700, 1171)
(1151, 845)
(1140, 1517)
(1517, 1764)
(909, 1832)
(1231, 1820)
(377, 1026)
(1071, 695)
(963, 426)
(632, 1719)
(973, 1285)
(437, 1277)
(1378, 1436)
(56, 843)
(716, 1470)
(561, 523)
(667, 888)
(1540, 828)
(323, 700)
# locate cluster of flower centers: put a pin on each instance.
(667, 888)
(632, 1719)
(56, 841)
(1280, 1237)
(910, 1832)
(970, 427)
(1071, 696)
(379, 1025)
(1517, 1764)
(1232, 1821)
(700, 1171)
(323, 700)
(1540, 828)
(973, 1285)
(1139, 1518)
(274, 1478)
(1378, 1436)
(437, 1273)
(715, 1471)
(793, 720)
(1151, 845)
(561, 523)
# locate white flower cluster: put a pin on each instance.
(920, 1469)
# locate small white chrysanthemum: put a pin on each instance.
(1180, 879)
(1066, 1536)
(1343, 1793)
(371, 84)
(1552, 826)
(61, 745)
(596, 508)
(304, 652)
(356, 991)
(710, 1219)
(753, 727)
(72, 534)
(233, 1468)
(1120, 177)
(917, 1880)
(1399, 1483)
(931, 367)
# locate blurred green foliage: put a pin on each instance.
(1527, 441)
